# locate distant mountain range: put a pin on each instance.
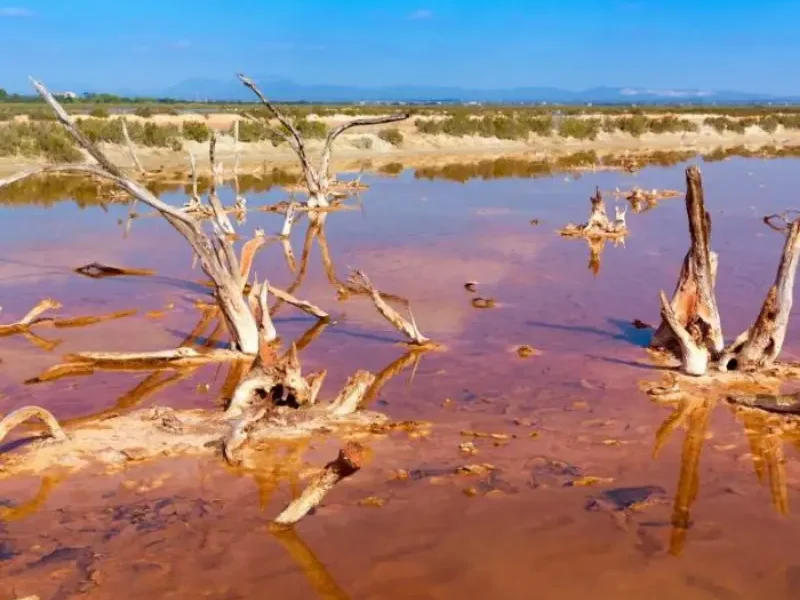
(286, 90)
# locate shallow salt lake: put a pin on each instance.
(189, 528)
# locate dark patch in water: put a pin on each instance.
(59, 555)
(7, 551)
(626, 497)
(149, 516)
(793, 582)
(632, 333)
(545, 467)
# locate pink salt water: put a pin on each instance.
(189, 528)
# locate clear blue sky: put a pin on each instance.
(573, 44)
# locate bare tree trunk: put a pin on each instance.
(598, 217)
(694, 303)
(216, 253)
(317, 180)
(348, 462)
(762, 343)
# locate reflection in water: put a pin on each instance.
(413, 356)
(50, 189)
(27, 508)
(531, 169)
(318, 576)
(693, 414)
(482, 372)
(766, 434)
(46, 191)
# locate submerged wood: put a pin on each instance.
(694, 303)
(31, 317)
(97, 270)
(348, 462)
(784, 404)
(68, 322)
(643, 200)
(676, 385)
(162, 359)
(598, 225)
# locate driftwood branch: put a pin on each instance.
(349, 461)
(352, 394)
(25, 323)
(19, 416)
(303, 305)
(163, 359)
(359, 280)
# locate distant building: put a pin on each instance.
(66, 95)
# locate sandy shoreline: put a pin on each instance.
(363, 149)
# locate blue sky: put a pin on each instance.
(572, 44)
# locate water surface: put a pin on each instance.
(192, 528)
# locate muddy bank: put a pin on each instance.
(365, 148)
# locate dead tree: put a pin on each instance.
(694, 305)
(690, 326)
(598, 225)
(214, 249)
(761, 344)
(317, 179)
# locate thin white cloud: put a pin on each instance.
(182, 44)
(421, 15)
(16, 11)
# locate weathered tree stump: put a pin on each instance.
(761, 344)
(692, 315)
(598, 224)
